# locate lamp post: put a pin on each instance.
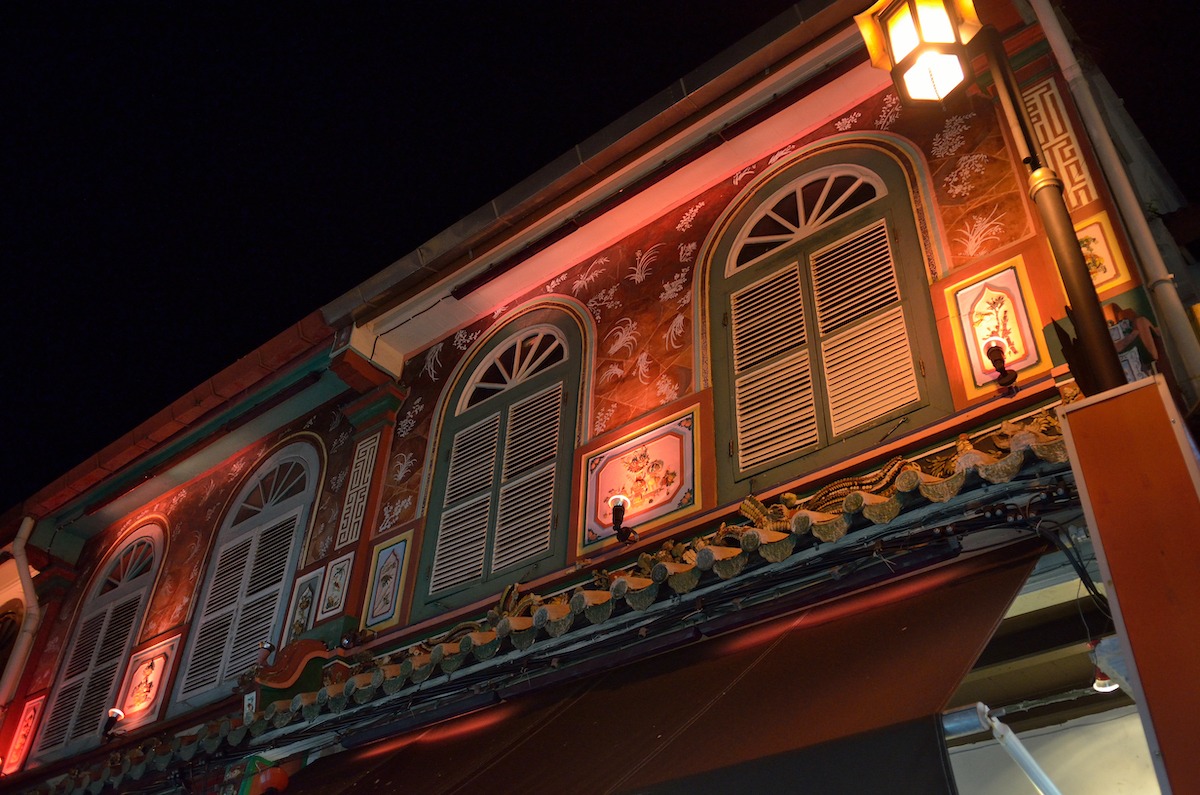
(927, 46)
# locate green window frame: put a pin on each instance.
(499, 503)
(827, 341)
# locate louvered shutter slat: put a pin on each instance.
(767, 319)
(208, 652)
(272, 551)
(870, 371)
(85, 646)
(532, 434)
(254, 624)
(227, 580)
(472, 459)
(524, 518)
(853, 278)
(461, 544)
(54, 732)
(775, 411)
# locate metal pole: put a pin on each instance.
(969, 720)
(1094, 350)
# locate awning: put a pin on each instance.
(839, 697)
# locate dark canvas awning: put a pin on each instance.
(839, 696)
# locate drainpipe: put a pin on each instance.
(1163, 294)
(30, 623)
(971, 720)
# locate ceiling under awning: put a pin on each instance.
(889, 655)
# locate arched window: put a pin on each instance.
(500, 488)
(827, 330)
(108, 624)
(249, 574)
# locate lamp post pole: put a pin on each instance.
(1094, 351)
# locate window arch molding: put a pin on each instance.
(796, 347)
(243, 595)
(107, 624)
(497, 498)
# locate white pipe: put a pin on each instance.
(970, 720)
(1158, 279)
(29, 624)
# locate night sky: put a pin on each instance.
(184, 181)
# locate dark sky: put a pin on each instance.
(185, 180)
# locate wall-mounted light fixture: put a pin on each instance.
(618, 503)
(922, 42)
(355, 637)
(1102, 682)
(115, 714)
(994, 349)
(265, 649)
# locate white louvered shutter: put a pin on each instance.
(865, 349)
(462, 535)
(97, 660)
(263, 593)
(241, 606)
(773, 375)
(526, 512)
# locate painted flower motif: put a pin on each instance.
(846, 122)
(403, 466)
(959, 182)
(952, 137)
(463, 339)
(980, 230)
(673, 288)
(605, 299)
(674, 335)
(623, 336)
(603, 417)
(666, 388)
(433, 361)
(590, 274)
(642, 262)
(889, 113)
(685, 223)
(614, 372)
(784, 152)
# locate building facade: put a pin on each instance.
(757, 323)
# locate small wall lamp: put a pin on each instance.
(618, 503)
(1005, 378)
(265, 648)
(115, 714)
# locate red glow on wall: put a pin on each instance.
(469, 723)
(451, 728)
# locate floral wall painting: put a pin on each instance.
(385, 588)
(655, 468)
(993, 308)
(23, 738)
(337, 581)
(1101, 253)
(303, 611)
(143, 691)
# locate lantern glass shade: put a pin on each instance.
(902, 32)
(933, 76)
(922, 43)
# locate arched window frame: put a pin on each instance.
(92, 670)
(496, 461)
(772, 445)
(243, 599)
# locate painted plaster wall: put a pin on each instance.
(191, 516)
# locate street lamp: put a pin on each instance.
(927, 46)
